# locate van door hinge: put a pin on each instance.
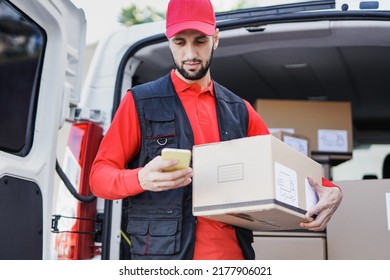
(86, 114)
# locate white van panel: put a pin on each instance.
(98, 91)
(60, 80)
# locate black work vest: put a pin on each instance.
(161, 224)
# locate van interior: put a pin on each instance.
(329, 58)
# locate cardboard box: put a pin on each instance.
(299, 142)
(259, 183)
(327, 124)
(360, 228)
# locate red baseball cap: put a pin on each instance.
(190, 14)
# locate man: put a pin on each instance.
(180, 110)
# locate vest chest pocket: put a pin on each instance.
(154, 229)
(160, 130)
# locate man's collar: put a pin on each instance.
(181, 86)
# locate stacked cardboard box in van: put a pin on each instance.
(328, 125)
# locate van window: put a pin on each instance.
(21, 52)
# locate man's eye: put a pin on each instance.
(200, 42)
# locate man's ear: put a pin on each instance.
(216, 38)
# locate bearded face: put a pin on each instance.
(193, 73)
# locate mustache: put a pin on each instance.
(192, 61)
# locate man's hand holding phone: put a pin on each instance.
(169, 171)
(182, 156)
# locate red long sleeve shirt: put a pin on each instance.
(109, 179)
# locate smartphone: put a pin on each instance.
(181, 155)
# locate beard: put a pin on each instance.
(194, 75)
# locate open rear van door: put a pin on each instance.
(41, 47)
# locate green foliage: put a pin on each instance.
(133, 15)
(136, 15)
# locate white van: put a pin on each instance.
(315, 50)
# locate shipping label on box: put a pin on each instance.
(259, 183)
(331, 140)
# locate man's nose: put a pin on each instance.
(190, 52)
